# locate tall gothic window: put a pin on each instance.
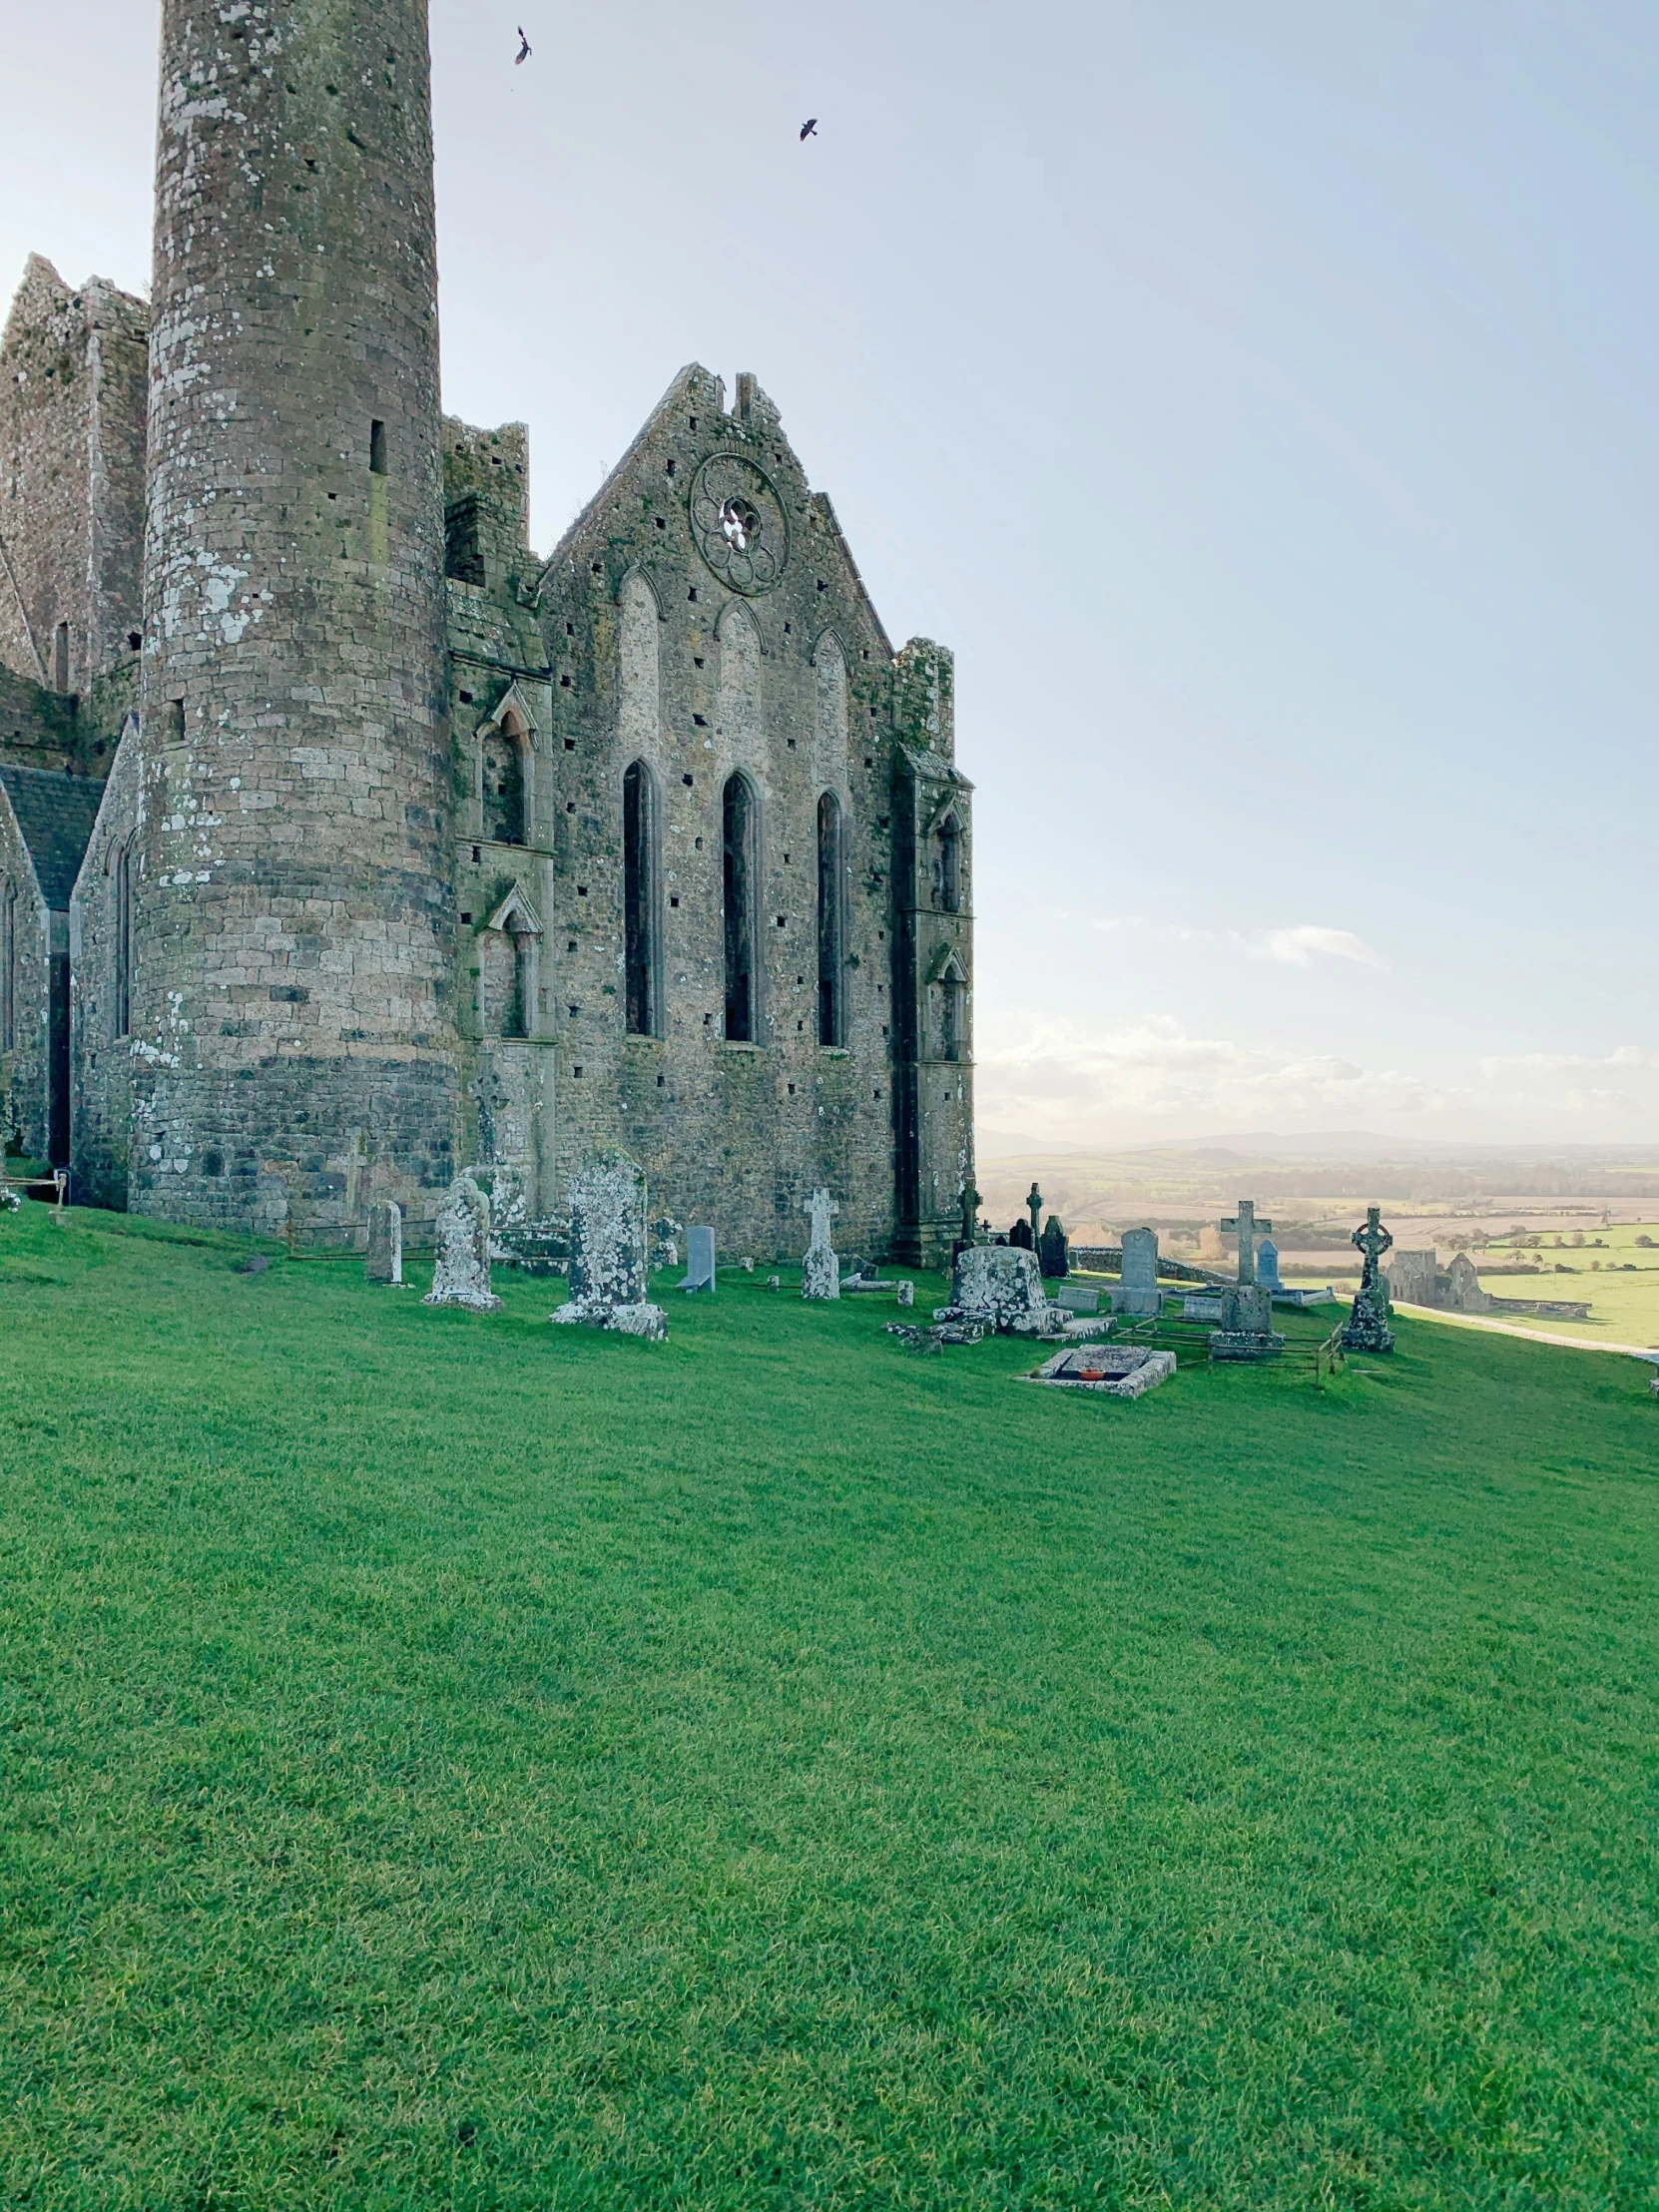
(831, 965)
(948, 865)
(124, 940)
(639, 899)
(738, 827)
(504, 784)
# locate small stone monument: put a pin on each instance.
(1020, 1237)
(1136, 1292)
(385, 1263)
(970, 1216)
(1001, 1286)
(1246, 1330)
(907, 1293)
(1267, 1265)
(607, 1251)
(1245, 1221)
(1034, 1207)
(820, 1271)
(462, 1237)
(666, 1233)
(700, 1260)
(1053, 1252)
(1367, 1324)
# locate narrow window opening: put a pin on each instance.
(8, 970)
(124, 941)
(639, 899)
(947, 877)
(503, 784)
(60, 657)
(377, 450)
(832, 1019)
(738, 826)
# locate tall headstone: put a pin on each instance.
(1367, 1324)
(1246, 1330)
(1136, 1292)
(970, 1216)
(1053, 1251)
(607, 1251)
(820, 1271)
(700, 1260)
(385, 1263)
(1246, 1223)
(1020, 1237)
(1267, 1264)
(462, 1258)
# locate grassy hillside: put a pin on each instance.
(455, 1762)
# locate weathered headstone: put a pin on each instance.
(462, 1251)
(775, 1281)
(1246, 1223)
(700, 1260)
(820, 1271)
(1001, 1286)
(1077, 1298)
(971, 1215)
(907, 1293)
(666, 1234)
(1136, 1292)
(1052, 1250)
(1246, 1330)
(1367, 1324)
(1267, 1264)
(385, 1263)
(607, 1251)
(1020, 1237)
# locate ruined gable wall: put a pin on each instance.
(72, 434)
(737, 1134)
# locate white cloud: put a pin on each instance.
(1562, 1063)
(1300, 945)
(1296, 945)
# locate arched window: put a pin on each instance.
(950, 1019)
(947, 873)
(832, 964)
(639, 899)
(742, 981)
(502, 776)
(123, 886)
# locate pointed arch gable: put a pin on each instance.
(516, 915)
(947, 967)
(511, 709)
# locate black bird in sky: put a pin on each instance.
(808, 129)
(523, 54)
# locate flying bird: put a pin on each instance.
(523, 54)
(808, 129)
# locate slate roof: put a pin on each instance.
(55, 813)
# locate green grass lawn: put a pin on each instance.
(457, 1761)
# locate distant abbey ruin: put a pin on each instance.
(344, 843)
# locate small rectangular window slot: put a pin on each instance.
(686, 780)
(660, 1080)
(671, 468)
(577, 1071)
(466, 698)
(674, 902)
(581, 890)
(692, 593)
(477, 855)
(570, 745)
(377, 450)
(570, 632)
(661, 524)
(466, 918)
(696, 660)
(564, 683)
(570, 806)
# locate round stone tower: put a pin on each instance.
(292, 1047)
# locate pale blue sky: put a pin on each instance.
(1259, 397)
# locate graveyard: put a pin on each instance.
(456, 1759)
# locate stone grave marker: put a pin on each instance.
(1110, 1370)
(607, 1251)
(1245, 1221)
(1267, 1265)
(820, 1271)
(700, 1260)
(1001, 1286)
(1136, 1292)
(1246, 1330)
(461, 1256)
(1367, 1324)
(385, 1263)
(907, 1293)
(1076, 1298)
(1053, 1251)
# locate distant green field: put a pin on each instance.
(454, 1762)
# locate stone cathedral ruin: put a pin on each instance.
(345, 844)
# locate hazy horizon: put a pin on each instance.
(1259, 402)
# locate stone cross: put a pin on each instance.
(1372, 1241)
(1034, 1207)
(971, 1214)
(820, 1271)
(1367, 1323)
(1246, 1223)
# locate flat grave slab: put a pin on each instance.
(1111, 1371)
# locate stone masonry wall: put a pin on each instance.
(72, 432)
(292, 1049)
(655, 654)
